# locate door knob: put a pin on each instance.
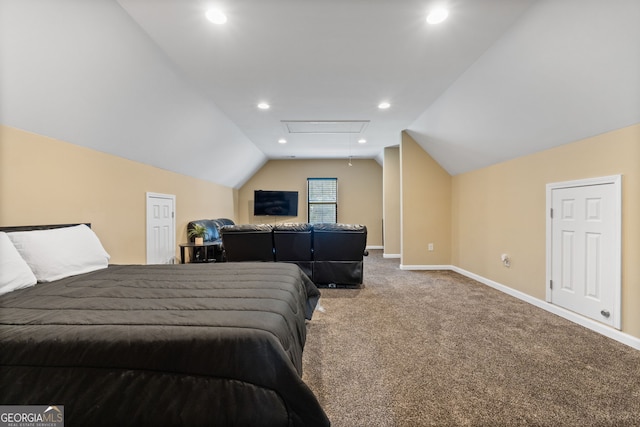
(605, 313)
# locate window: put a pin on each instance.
(322, 198)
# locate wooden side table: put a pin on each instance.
(208, 246)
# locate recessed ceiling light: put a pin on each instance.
(362, 141)
(436, 16)
(264, 106)
(216, 16)
(282, 141)
(384, 105)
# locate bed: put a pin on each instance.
(194, 344)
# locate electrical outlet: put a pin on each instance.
(506, 260)
(431, 246)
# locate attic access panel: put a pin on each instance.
(325, 126)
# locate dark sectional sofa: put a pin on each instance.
(330, 254)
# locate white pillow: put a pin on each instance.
(60, 252)
(14, 271)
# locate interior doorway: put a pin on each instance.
(161, 228)
(584, 247)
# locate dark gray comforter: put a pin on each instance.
(194, 344)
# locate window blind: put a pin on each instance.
(322, 198)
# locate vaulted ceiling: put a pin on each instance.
(156, 82)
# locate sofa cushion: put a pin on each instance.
(356, 228)
(293, 227)
(244, 228)
(223, 221)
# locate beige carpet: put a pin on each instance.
(418, 348)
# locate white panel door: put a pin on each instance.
(585, 251)
(160, 229)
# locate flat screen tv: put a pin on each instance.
(277, 203)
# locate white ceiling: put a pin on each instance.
(323, 60)
(154, 81)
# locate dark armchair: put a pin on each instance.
(212, 236)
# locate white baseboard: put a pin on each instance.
(600, 328)
(426, 267)
(374, 247)
(390, 255)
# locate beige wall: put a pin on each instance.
(46, 181)
(391, 196)
(471, 218)
(502, 209)
(426, 207)
(359, 191)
